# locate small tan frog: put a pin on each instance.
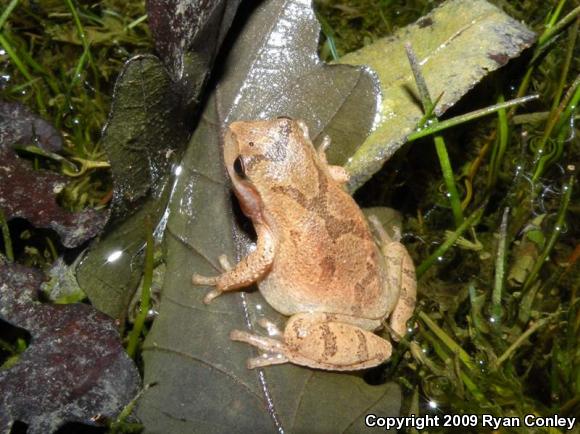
(315, 258)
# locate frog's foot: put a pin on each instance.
(384, 237)
(401, 272)
(273, 349)
(224, 263)
(316, 341)
(198, 279)
(270, 327)
(249, 270)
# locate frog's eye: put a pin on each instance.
(284, 117)
(239, 167)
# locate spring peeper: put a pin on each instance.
(316, 260)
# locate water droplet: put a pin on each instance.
(114, 256)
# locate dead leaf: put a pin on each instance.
(457, 45)
(75, 369)
(32, 194)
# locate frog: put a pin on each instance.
(317, 259)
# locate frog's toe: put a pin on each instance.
(225, 263)
(273, 349)
(262, 342)
(380, 231)
(270, 327)
(198, 279)
(266, 359)
(211, 295)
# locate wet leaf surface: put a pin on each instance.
(188, 34)
(149, 125)
(75, 369)
(457, 45)
(32, 194)
(202, 383)
(142, 140)
(146, 127)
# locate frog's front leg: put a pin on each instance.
(247, 271)
(338, 173)
(320, 340)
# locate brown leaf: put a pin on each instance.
(32, 194)
(75, 369)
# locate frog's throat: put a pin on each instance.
(249, 198)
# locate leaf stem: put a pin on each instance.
(145, 292)
(14, 56)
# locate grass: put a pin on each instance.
(50, 54)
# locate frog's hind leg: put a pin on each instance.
(322, 341)
(401, 271)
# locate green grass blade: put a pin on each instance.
(6, 14)
(458, 120)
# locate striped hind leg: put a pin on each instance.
(323, 341)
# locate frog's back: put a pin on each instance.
(327, 260)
